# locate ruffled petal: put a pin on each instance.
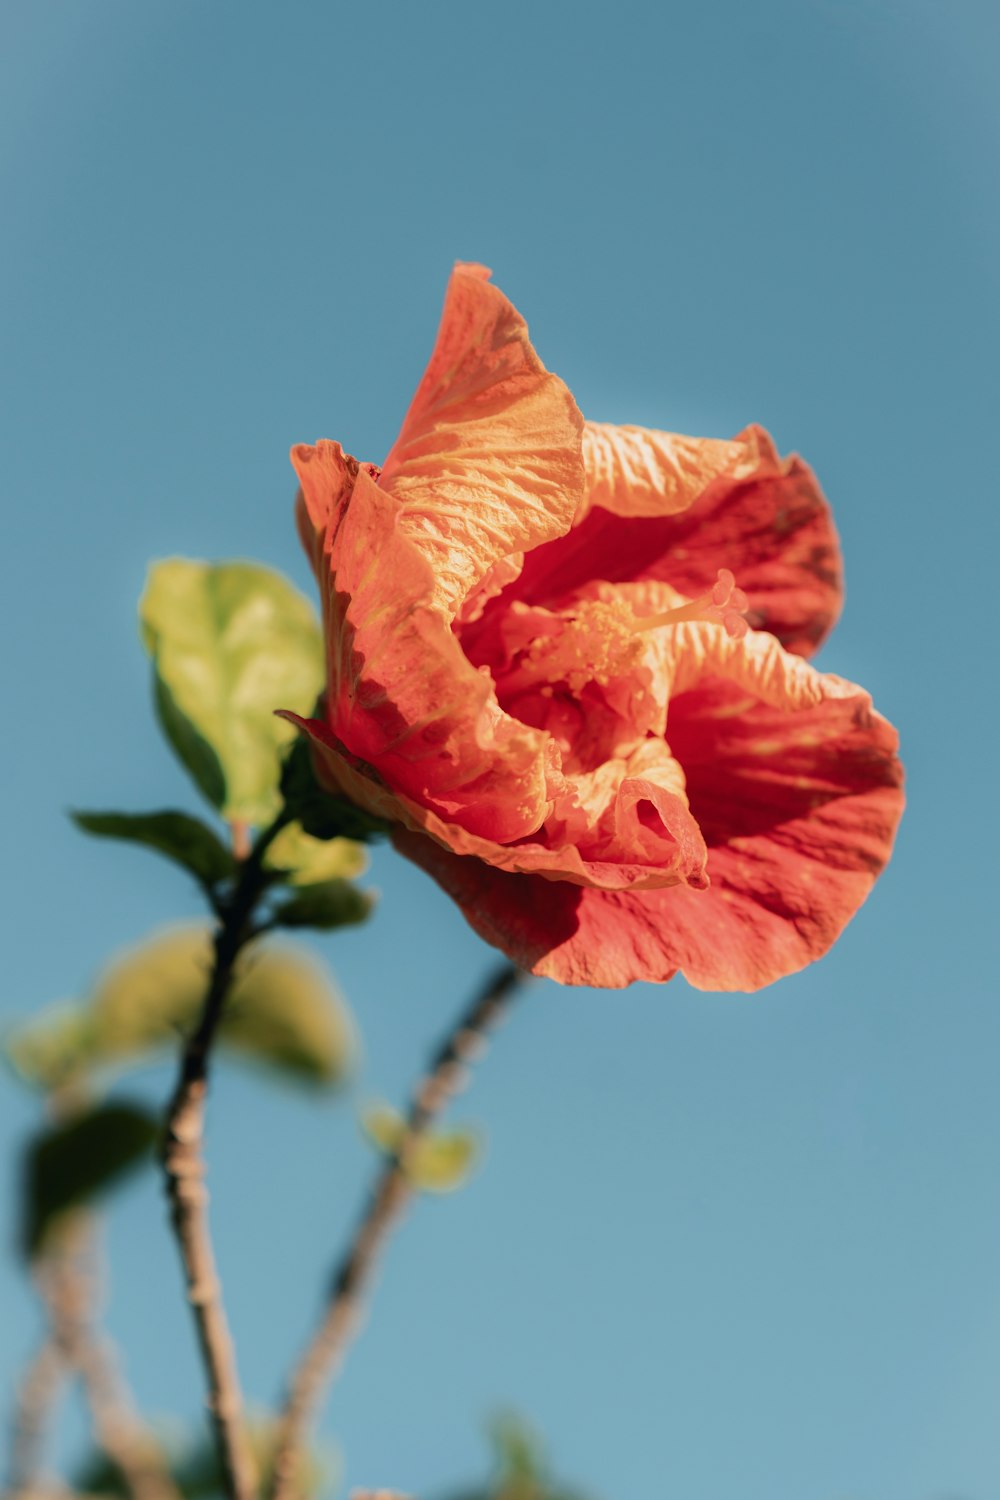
(775, 531)
(637, 471)
(765, 518)
(565, 932)
(658, 842)
(401, 694)
(488, 461)
(795, 783)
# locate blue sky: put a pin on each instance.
(719, 1246)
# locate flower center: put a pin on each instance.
(600, 640)
(594, 642)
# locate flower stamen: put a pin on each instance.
(722, 604)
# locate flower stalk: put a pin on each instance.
(325, 1353)
(184, 1170)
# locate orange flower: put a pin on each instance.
(540, 671)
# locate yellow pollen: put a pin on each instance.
(600, 641)
(596, 642)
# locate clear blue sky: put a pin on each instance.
(721, 1248)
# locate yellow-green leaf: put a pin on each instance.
(52, 1048)
(231, 643)
(308, 860)
(440, 1162)
(283, 1010)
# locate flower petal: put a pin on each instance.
(401, 694)
(659, 842)
(488, 461)
(795, 783)
(764, 518)
(637, 471)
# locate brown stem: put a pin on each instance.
(240, 835)
(184, 1167)
(392, 1190)
(38, 1393)
(66, 1278)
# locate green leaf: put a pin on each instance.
(521, 1471)
(328, 904)
(52, 1048)
(186, 840)
(322, 814)
(283, 1009)
(231, 643)
(194, 753)
(520, 1455)
(440, 1162)
(306, 860)
(69, 1163)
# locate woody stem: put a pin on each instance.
(184, 1170)
(66, 1277)
(39, 1390)
(389, 1196)
(68, 1282)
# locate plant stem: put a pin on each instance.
(184, 1167)
(324, 1355)
(38, 1394)
(68, 1282)
(66, 1277)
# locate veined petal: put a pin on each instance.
(326, 477)
(765, 518)
(638, 471)
(400, 692)
(795, 783)
(675, 850)
(776, 525)
(488, 461)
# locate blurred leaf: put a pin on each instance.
(520, 1470)
(195, 1468)
(307, 860)
(283, 1008)
(517, 1447)
(441, 1161)
(231, 643)
(285, 1011)
(52, 1048)
(322, 814)
(68, 1163)
(328, 904)
(185, 840)
(151, 994)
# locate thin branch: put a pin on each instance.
(325, 1353)
(187, 1194)
(38, 1393)
(69, 1289)
(66, 1278)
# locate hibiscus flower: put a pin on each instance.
(567, 662)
